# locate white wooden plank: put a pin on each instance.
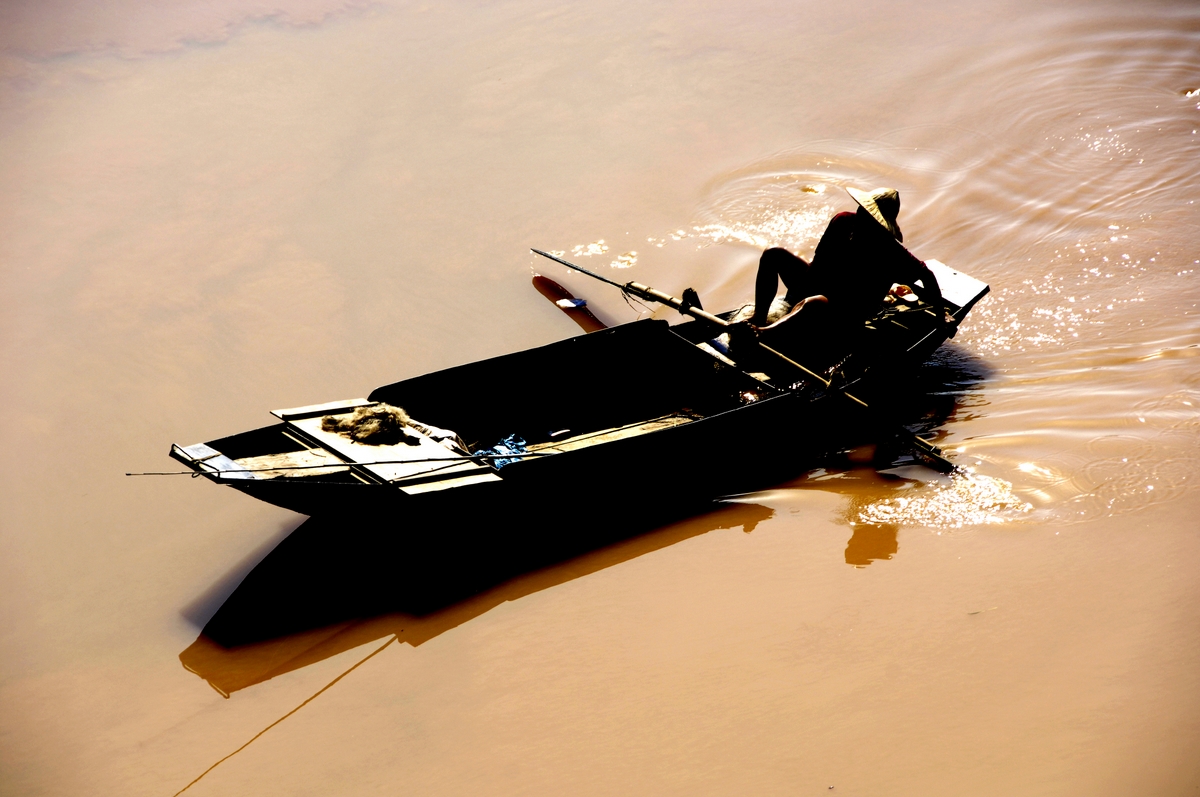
(320, 409)
(957, 287)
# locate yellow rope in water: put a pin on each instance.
(285, 716)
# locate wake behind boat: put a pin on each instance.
(644, 408)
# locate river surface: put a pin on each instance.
(212, 209)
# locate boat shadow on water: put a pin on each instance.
(335, 583)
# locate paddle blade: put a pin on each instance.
(576, 309)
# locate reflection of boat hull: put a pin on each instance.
(642, 408)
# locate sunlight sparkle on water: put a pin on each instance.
(792, 229)
(587, 250)
(625, 260)
(967, 500)
(1029, 467)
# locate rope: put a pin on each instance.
(285, 716)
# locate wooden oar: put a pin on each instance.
(576, 309)
(925, 449)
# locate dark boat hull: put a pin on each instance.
(736, 432)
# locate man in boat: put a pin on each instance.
(858, 259)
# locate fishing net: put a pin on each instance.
(374, 425)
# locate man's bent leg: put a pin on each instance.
(774, 265)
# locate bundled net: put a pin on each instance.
(374, 425)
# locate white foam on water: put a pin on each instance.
(964, 500)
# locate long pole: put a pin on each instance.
(641, 291)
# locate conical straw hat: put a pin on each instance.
(884, 206)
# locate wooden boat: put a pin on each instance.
(642, 409)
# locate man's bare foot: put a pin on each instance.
(742, 335)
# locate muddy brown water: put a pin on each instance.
(212, 210)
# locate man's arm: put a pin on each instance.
(928, 290)
(913, 271)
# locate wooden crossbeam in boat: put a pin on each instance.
(609, 435)
(328, 408)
